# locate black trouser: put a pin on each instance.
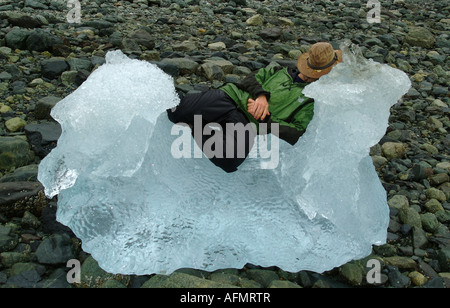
(215, 106)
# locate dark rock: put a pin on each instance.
(143, 38)
(22, 174)
(57, 279)
(95, 60)
(116, 39)
(53, 67)
(8, 240)
(19, 87)
(40, 40)
(98, 24)
(130, 46)
(49, 223)
(436, 283)
(12, 193)
(36, 4)
(28, 279)
(264, 277)
(444, 259)
(421, 171)
(81, 76)
(440, 91)
(16, 38)
(271, 34)
(427, 269)
(77, 64)
(44, 107)
(56, 249)
(24, 21)
(419, 36)
(397, 279)
(184, 65)
(14, 152)
(181, 280)
(43, 137)
(413, 93)
(211, 71)
(420, 239)
(351, 273)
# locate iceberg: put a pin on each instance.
(138, 209)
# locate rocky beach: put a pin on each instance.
(49, 48)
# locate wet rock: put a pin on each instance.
(434, 193)
(77, 64)
(40, 40)
(283, 284)
(393, 150)
(15, 124)
(53, 67)
(181, 280)
(418, 279)
(17, 197)
(44, 107)
(93, 276)
(30, 221)
(23, 21)
(420, 238)
(217, 46)
(419, 36)
(352, 273)
(256, 20)
(429, 222)
(43, 137)
(35, 4)
(142, 37)
(398, 202)
(444, 258)
(271, 34)
(16, 38)
(401, 262)
(7, 239)
(212, 71)
(433, 206)
(411, 217)
(264, 277)
(55, 249)
(14, 152)
(184, 65)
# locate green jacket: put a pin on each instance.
(287, 104)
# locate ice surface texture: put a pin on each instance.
(139, 210)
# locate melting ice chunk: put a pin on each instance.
(139, 210)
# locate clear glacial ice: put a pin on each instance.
(139, 210)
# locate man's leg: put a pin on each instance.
(237, 138)
(212, 105)
(215, 106)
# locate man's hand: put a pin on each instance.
(258, 108)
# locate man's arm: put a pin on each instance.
(258, 108)
(286, 132)
(251, 85)
(258, 105)
(295, 125)
(253, 82)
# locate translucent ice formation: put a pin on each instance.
(140, 210)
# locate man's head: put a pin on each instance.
(319, 60)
